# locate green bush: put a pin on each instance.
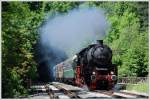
(141, 87)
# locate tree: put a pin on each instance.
(19, 32)
(128, 35)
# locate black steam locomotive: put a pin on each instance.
(92, 67)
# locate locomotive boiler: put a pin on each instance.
(92, 67)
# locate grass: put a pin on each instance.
(141, 87)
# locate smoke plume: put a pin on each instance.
(64, 35)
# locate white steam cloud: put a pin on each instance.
(74, 30)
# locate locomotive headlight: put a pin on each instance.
(114, 77)
(111, 72)
(93, 73)
(93, 77)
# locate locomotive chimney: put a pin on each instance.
(100, 42)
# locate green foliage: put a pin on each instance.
(141, 87)
(60, 6)
(128, 38)
(19, 32)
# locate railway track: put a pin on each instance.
(123, 94)
(67, 91)
(138, 95)
(57, 90)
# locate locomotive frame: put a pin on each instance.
(98, 80)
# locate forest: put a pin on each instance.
(128, 38)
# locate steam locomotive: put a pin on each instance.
(91, 67)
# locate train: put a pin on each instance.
(91, 67)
